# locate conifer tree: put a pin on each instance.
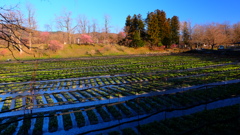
(160, 30)
(141, 26)
(135, 31)
(153, 29)
(128, 26)
(161, 15)
(175, 30)
(137, 41)
(167, 33)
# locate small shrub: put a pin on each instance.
(84, 38)
(55, 45)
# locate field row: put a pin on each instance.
(10, 72)
(187, 98)
(81, 63)
(101, 92)
(103, 113)
(222, 73)
(218, 121)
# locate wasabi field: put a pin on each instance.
(146, 94)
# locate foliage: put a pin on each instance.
(135, 31)
(84, 38)
(55, 45)
(121, 35)
(175, 30)
(44, 37)
(153, 29)
(160, 30)
(137, 42)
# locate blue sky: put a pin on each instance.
(196, 11)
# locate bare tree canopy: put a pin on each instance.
(31, 22)
(11, 29)
(82, 24)
(65, 23)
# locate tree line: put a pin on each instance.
(155, 30)
(19, 31)
(211, 34)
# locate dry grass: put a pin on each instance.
(79, 51)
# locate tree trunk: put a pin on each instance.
(19, 44)
(30, 40)
(212, 46)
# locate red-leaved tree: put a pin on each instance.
(84, 38)
(44, 36)
(55, 45)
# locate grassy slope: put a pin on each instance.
(80, 51)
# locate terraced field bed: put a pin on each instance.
(93, 96)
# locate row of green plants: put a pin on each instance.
(136, 106)
(27, 66)
(134, 66)
(217, 121)
(228, 71)
(126, 90)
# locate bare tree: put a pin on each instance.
(17, 15)
(227, 31)
(48, 27)
(198, 35)
(82, 24)
(31, 22)
(214, 34)
(106, 27)
(89, 27)
(106, 23)
(94, 30)
(236, 32)
(65, 23)
(94, 25)
(11, 29)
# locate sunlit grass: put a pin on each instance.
(74, 50)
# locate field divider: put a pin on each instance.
(111, 104)
(128, 97)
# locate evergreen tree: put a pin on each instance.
(127, 24)
(161, 15)
(137, 41)
(185, 33)
(160, 30)
(167, 33)
(141, 26)
(153, 29)
(175, 30)
(134, 28)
